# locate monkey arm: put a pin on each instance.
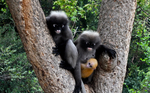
(102, 48)
(71, 55)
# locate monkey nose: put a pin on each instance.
(58, 31)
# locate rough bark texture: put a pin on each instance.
(115, 27)
(30, 22)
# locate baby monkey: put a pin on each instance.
(87, 69)
(58, 25)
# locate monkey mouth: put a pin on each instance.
(58, 31)
(89, 49)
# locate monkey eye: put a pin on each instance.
(90, 65)
(62, 25)
(86, 42)
(54, 25)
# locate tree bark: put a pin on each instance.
(115, 28)
(31, 24)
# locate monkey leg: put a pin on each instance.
(65, 65)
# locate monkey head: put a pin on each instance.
(89, 40)
(88, 67)
(57, 22)
(92, 63)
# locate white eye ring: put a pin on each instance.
(54, 25)
(62, 25)
(86, 42)
(94, 44)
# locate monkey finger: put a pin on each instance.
(55, 53)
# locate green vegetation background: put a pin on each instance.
(16, 73)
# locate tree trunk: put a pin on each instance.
(115, 28)
(31, 24)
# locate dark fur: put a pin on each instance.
(83, 42)
(65, 31)
(64, 45)
(88, 40)
(72, 56)
(101, 49)
(62, 38)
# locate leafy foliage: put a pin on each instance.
(83, 13)
(137, 77)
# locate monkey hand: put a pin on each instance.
(111, 53)
(65, 65)
(55, 51)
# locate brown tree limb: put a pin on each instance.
(115, 28)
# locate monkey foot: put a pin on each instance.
(65, 65)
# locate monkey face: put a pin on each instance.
(89, 44)
(57, 24)
(58, 28)
(92, 63)
(89, 65)
(89, 41)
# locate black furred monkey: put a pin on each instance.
(57, 23)
(86, 44)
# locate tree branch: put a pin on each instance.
(31, 25)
